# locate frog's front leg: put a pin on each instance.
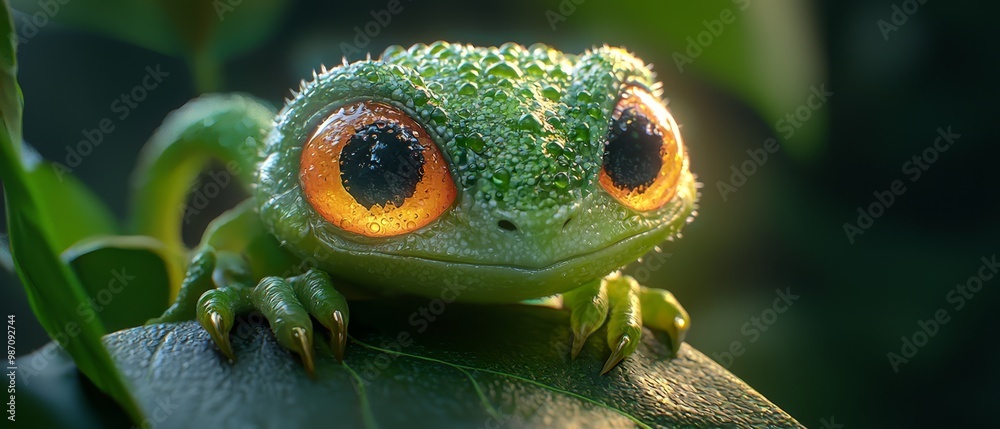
(627, 307)
(232, 275)
(287, 304)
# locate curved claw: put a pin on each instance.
(589, 309)
(276, 300)
(661, 311)
(618, 354)
(677, 334)
(216, 311)
(315, 291)
(219, 332)
(582, 332)
(624, 319)
(221, 282)
(338, 335)
(305, 349)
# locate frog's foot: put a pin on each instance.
(626, 306)
(287, 303)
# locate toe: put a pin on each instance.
(275, 298)
(589, 309)
(625, 347)
(315, 291)
(197, 281)
(216, 310)
(661, 311)
(304, 347)
(624, 318)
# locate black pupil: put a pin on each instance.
(381, 164)
(632, 155)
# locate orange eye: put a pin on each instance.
(372, 170)
(644, 155)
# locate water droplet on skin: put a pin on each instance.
(554, 119)
(554, 149)
(473, 141)
(491, 59)
(392, 51)
(561, 180)
(437, 115)
(511, 50)
(550, 92)
(374, 227)
(438, 46)
(534, 69)
(501, 178)
(468, 67)
(503, 69)
(428, 71)
(594, 112)
(529, 122)
(420, 98)
(469, 89)
(582, 133)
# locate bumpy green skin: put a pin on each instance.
(523, 130)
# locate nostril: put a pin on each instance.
(507, 225)
(566, 223)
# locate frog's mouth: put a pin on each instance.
(617, 251)
(484, 282)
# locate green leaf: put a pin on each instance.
(53, 290)
(126, 278)
(76, 213)
(470, 366)
(51, 394)
(205, 32)
(11, 99)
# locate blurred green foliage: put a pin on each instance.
(52, 289)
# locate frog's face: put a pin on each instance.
(507, 173)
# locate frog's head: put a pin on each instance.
(504, 173)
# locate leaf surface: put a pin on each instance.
(472, 366)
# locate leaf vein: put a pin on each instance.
(504, 374)
(156, 354)
(482, 396)
(366, 411)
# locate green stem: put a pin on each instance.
(207, 72)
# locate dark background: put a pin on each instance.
(824, 360)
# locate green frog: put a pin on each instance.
(474, 174)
